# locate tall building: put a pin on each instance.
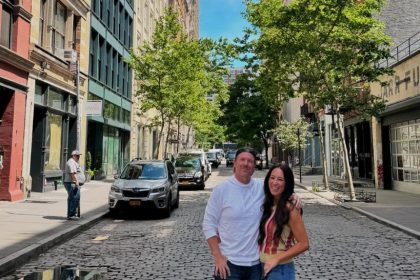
(53, 124)
(188, 15)
(15, 19)
(143, 134)
(233, 74)
(110, 85)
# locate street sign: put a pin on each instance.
(93, 108)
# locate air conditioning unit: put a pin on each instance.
(66, 54)
(70, 55)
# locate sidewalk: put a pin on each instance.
(31, 226)
(397, 209)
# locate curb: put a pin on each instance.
(14, 261)
(371, 216)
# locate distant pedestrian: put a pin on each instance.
(232, 219)
(282, 232)
(72, 182)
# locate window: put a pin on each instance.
(53, 142)
(59, 27)
(405, 150)
(42, 22)
(55, 99)
(93, 63)
(6, 26)
(115, 21)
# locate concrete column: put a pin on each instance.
(27, 143)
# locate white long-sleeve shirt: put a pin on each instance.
(233, 213)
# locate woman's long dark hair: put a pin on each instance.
(281, 216)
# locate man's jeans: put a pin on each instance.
(73, 198)
(238, 272)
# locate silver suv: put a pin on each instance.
(145, 184)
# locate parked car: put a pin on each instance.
(189, 171)
(206, 166)
(230, 158)
(145, 184)
(214, 159)
(260, 161)
(219, 152)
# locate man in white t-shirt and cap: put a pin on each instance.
(72, 184)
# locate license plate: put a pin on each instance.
(135, 202)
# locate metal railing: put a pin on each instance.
(402, 51)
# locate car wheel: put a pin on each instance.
(113, 212)
(167, 210)
(176, 205)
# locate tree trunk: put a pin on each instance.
(265, 141)
(178, 132)
(188, 137)
(323, 157)
(346, 161)
(167, 139)
(162, 126)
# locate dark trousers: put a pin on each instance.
(73, 199)
(238, 272)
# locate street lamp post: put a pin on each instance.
(300, 163)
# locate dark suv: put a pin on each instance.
(214, 159)
(230, 158)
(190, 171)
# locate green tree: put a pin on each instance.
(174, 74)
(249, 118)
(326, 50)
(292, 136)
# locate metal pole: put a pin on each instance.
(300, 163)
(78, 105)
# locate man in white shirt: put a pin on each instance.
(232, 218)
(72, 185)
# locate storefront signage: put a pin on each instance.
(94, 108)
(404, 83)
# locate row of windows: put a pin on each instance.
(116, 19)
(52, 97)
(112, 111)
(108, 66)
(54, 36)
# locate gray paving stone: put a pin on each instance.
(344, 245)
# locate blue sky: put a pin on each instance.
(222, 18)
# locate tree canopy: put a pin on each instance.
(174, 74)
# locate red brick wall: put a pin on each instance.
(11, 138)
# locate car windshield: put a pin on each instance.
(188, 161)
(146, 171)
(211, 155)
(231, 155)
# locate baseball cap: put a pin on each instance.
(75, 153)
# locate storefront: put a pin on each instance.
(359, 146)
(12, 116)
(396, 134)
(15, 21)
(109, 148)
(54, 135)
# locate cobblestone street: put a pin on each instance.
(344, 245)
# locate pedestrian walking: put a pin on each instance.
(231, 221)
(282, 231)
(73, 179)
